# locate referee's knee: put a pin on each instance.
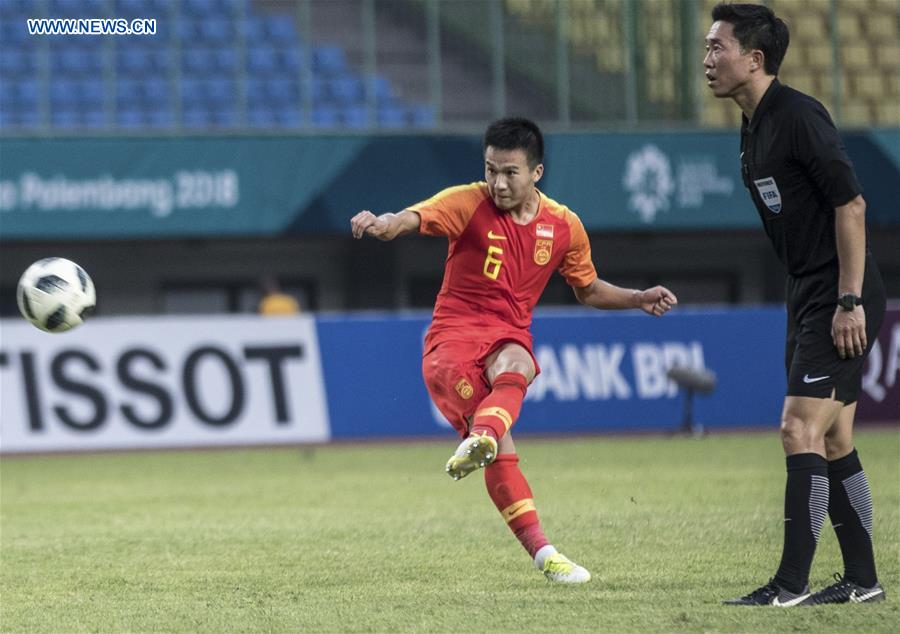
(798, 435)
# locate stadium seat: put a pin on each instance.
(71, 62)
(19, 119)
(254, 28)
(225, 60)
(16, 63)
(19, 94)
(198, 61)
(328, 60)
(192, 92)
(261, 60)
(423, 116)
(93, 118)
(219, 91)
(391, 116)
(261, 117)
(67, 119)
(159, 118)
(280, 29)
(282, 91)
(156, 91)
(16, 8)
(129, 118)
(354, 116)
(76, 8)
(325, 117)
(14, 32)
(199, 8)
(196, 118)
(216, 30)
(347, 90)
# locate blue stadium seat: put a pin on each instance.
(189, 30)
(289, 59)
(134, 60)
(354, 117)
(391, 116)
(14, 31)
(282, 91)
(281, 29)
(216, 30)
(321, 91)
(225, 60)
(261, 117)
(198, 61)
(76, 8)
(156, 91)
(254, 28)
(384, 94)
(93, 118)
(62, 93)
(200, 8)
(325, 117)
(224, 117)
(17, 63)
(130, 118)
(19, 94)
(16, 8)
(192, 92)
(19, 119)
(261, 60)
(129, 92)
(347, 90)
(328, 60)
(196, 118)
(143, 8)
(159, 118)
(76, 62)
(68, 119)
(220, 91)
(90, 91)
(423, 116)
(289, 117)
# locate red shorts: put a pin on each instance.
(454, 371)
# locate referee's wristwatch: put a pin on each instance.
(849, 301)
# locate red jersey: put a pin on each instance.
(496, 269)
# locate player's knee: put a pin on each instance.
(796, 432)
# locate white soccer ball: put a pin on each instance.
(55, 294)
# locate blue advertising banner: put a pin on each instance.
(600, 372)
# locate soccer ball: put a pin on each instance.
(55, 294)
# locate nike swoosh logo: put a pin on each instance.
(859, 598)
(808, 379)
(516, 510)
(790, 602)
(494, 236)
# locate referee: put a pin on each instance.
(797, 172)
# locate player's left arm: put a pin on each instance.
(654, 301)
(848, 327)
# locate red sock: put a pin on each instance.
(511, 494)
(500, 409)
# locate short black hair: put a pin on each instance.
(516, 133)
(756, 27)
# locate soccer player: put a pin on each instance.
(505, 240)
(797, 172)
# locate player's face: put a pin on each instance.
(510, 181)
(727, 68)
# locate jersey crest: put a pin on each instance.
(542, 251)
(769, 194)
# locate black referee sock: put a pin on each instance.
(805, 506)
(850, 509)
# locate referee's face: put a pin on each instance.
(727, 67)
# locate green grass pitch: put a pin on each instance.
(376, 538)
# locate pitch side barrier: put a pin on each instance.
(151, 382)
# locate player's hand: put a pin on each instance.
(365, 223)
(848, 331)
(656, 301)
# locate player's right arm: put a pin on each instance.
(386, 226)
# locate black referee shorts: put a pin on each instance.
(811, 358)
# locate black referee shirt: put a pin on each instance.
(796, 169)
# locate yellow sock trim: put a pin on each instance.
(516, 509)
(499, 412)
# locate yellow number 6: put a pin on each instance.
(491, 264)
